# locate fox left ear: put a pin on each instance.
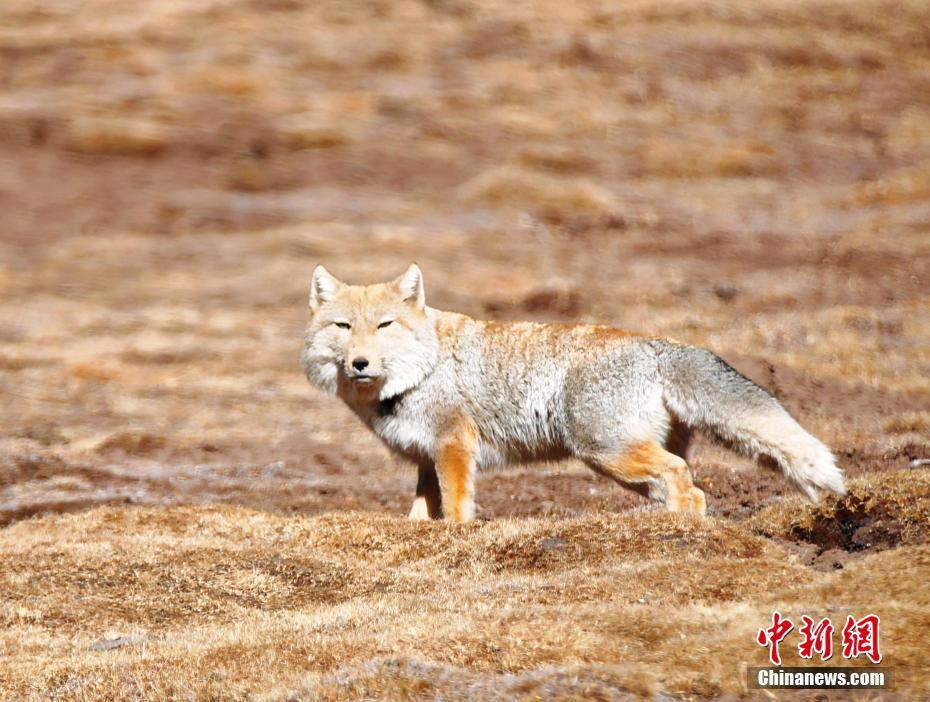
(323, 286)
(411, 287)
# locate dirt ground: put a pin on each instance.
(182, 516)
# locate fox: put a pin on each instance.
(455, 395)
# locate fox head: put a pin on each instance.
(373, 340)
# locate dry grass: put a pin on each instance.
(236, 603)
(512, 187)
(909, 422)
(748, 176)
(687, 158)
(117, 136)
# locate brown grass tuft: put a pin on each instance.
(120, 136)
(908, 422)
(669, 158)
(557, 159)
(132, 442)
(886, 511)
(306, 131)
(411, 679)
(907, 185)
(511, 187)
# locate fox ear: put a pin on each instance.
(323, 286)
(411, 287)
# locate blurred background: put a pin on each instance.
(753, 177)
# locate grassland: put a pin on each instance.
(181, 516)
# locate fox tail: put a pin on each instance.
(703, 392)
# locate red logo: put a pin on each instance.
(817, 639)
(773, 636)
(860, 637)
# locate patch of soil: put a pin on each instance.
(738, 494)
(855, 525)
(891, 511)
(544, 491)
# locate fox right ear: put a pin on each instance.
(411, 288)
(323, 286)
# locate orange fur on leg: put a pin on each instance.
(666, 475)
(455, 468)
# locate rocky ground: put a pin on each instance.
(752, 178)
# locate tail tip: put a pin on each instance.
(827, 477)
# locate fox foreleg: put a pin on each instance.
(455, 470)
(428, 502)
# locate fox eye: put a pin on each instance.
(343, 325)
(386, 323)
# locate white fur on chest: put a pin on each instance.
(417, 440)
(411, 436)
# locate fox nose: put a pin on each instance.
(360, 363)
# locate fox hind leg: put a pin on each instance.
(678, 440)
(677, 443)
(649, 469)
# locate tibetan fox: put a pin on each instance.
(454, 394)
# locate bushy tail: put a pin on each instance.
(705, 393)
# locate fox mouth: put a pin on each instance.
(362, 378)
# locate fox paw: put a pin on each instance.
(691, 501)
(697, 503)
(419, 512)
